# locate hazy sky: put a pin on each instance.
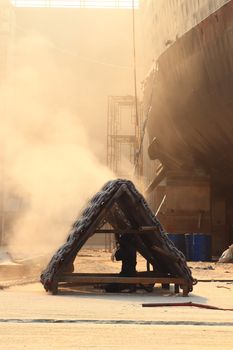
(64, 65)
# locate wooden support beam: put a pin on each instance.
(118, 279)
(185, 290)
(154, 274)
(141, 230)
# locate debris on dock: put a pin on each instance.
(227, 255)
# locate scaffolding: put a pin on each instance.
(124, 127)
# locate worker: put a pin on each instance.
(125, 252)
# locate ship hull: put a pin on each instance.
(189, 96)
(192, 99)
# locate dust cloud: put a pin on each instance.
(46, 153)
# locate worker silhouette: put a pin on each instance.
(125, 252)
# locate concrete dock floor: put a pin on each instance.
(86, 318)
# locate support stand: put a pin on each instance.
(146, 278)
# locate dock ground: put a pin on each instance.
(86, 318)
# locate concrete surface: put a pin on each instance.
(86, 318)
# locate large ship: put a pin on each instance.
(189, 98)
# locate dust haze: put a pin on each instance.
(46, 153)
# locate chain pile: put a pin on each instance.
(119, 207)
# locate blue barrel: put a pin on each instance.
(178, 240)
(189, 246)
(198, 246)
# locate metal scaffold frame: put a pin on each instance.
(116, 140)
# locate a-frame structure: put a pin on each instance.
(125, 209)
